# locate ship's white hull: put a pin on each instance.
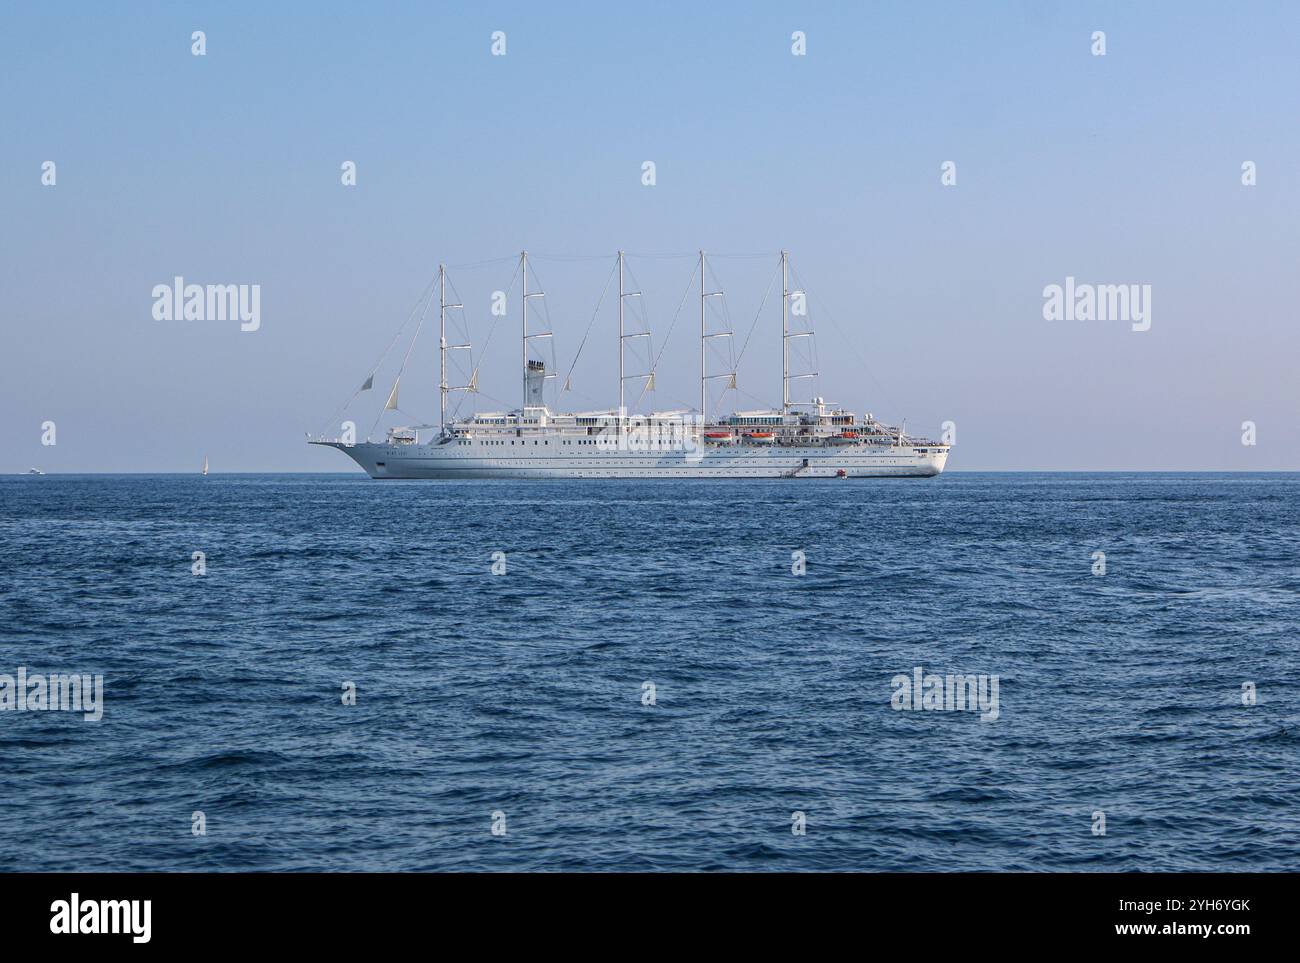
(477, 460)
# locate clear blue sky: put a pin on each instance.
(225, 169)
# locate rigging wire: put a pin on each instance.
(725, 316)
(758, 315)
(762, 401)
(642, 314)
(411, 347)
(676, 314)
(428, 291)
(825, 309)
(464, 328)
(425, 300)
(811, 357)
(491, 330)
(569, 257)
(477, 264)
(550, 329)
(468, 377)
(599, 302)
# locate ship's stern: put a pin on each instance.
(936, 459)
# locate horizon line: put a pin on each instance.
(951, 471)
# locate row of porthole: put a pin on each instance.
(786, 453)
(693, 471)
(762, 462)
(731, 461)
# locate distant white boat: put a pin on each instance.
(33, 471)
(205, 464)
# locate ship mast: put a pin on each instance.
(523, 266)
(442, 348)
(523, 271)
(704, 379)
(624, 337)
(704, 337)
(785, 335)
(620, 340)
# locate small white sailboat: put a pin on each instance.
(205, 464)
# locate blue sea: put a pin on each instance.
(649, 685)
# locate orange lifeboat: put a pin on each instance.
(760, 437)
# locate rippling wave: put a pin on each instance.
(522, 693)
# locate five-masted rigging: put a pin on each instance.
(532, 441)
(707, 336)
(534, 373)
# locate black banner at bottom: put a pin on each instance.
(216, 911)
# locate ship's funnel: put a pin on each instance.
(534, 378)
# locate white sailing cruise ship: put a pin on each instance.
(809, 439)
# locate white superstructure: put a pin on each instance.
(799, 440)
